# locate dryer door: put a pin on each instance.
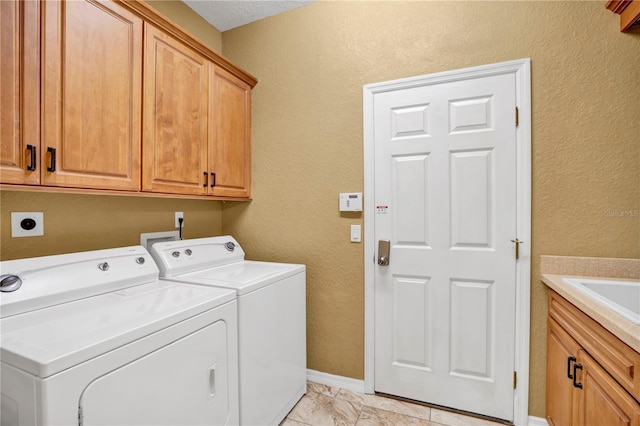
(183, 383)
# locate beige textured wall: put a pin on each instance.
(307, 138)
(91, 222)
(189, 20)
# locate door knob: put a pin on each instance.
(383, 252)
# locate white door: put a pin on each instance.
(445, 197)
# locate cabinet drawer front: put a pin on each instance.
(621, 361)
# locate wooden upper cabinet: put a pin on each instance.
(175, 116)
(19, 92)
(230, 135)
(92, 68)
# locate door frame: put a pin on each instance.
(522, 70)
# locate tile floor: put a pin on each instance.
(326, 405)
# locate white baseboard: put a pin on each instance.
(342, 382)
(537, 421)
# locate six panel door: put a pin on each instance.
(175, 116)
(92, 68)
(445, 191)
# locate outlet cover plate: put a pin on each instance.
(18, 231)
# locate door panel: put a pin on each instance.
(185, 382)
(19, 91)
(445, 160)
(175, 116)
(602, 401)
(230, 137)
(92, 95)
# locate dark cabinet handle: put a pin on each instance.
(576, 384)
(213, 179)
(569, 361)
(32, 158)
(52, 167)
(206, 179)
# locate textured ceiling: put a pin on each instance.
(228, 14)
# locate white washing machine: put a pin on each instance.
(271, 319)
(94, 338)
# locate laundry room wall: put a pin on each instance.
(307, 139)
(90, 222)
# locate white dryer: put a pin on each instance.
(94, 338)
(271, 319)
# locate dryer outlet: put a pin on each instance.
(27, 224)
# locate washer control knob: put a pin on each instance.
(140, 261)
(175, 254)
(9, 283)
(230, 246)
(104, 267)
(188, 252)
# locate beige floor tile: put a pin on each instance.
(320, 410)
(388, 404)
(289, 422)
(376, 417)
(454, 419)
(322, 389)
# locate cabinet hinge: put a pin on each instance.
(515, 379)
(517, 116)
(80, 416)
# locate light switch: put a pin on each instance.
(356, 233)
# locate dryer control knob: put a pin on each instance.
(140, 261)
(103, 266)
(188, 252)
(9, 283)
(175, 254)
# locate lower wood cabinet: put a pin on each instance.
(579, 390)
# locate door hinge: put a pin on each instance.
(517, 116)
(515, 379)
(517, 243)
(79, 416)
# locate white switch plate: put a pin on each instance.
(356, 233)
(17, 229)
(179, 215)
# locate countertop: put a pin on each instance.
(620, 326)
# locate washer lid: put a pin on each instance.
(49, 340)
(244, 277)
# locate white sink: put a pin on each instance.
(622, 297)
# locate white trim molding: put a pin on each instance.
(341, 382)
(537, 421)
(521, 69)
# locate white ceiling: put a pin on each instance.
(228, 14)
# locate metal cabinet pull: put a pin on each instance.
(213, 179)
(569, 361)
(32, 158)
(575, 375)
(206, 179)
(52, 167)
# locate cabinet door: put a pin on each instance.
(92, 72)
(562, 351)
(175, 116)
(19, 92)
(602, 401)
(230, 135)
